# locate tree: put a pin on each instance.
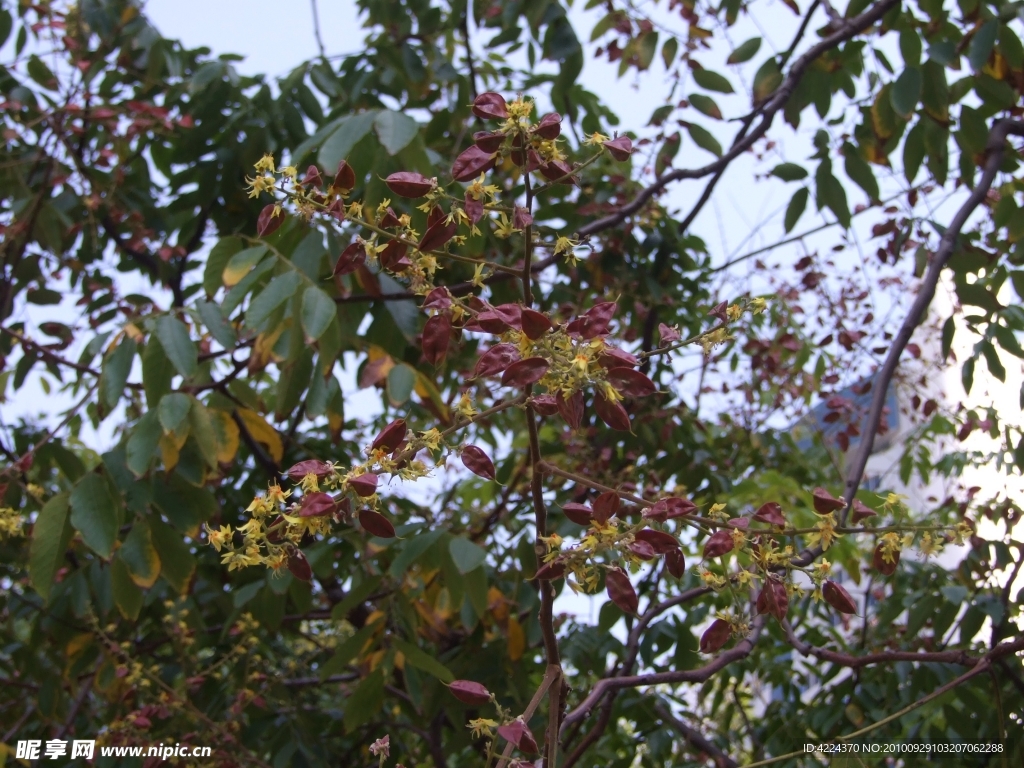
(408, 221)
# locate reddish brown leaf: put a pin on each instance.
(621, 591)
(439, 298)
(488, 321)
(364, 484)
(299, 565)
(606, 505)
(880, 563)
(312, 177)
(437, 333)
(521, 218)
(715, 636)
(557, 171)
(836, 596)
(861, 511)
(317, 504)
(719, 311)
(517, 733)
(511, 314)
(739, 522)
(545, 405)
(613, 357)
(469, 692)
(550, 126)
(550, 571)
(668, 334)
(580, 514)
(409, 184)
(353, 257)
(268, 220)
(676, 563)
(594, 322)
(390, 219)
(571, 410)
(489, 141)
(436, 214)
(630, 383)
(390, 438)
(376, 524)
(773, 599)
(662, 542)
(612, 414)
(490, 106)
(620, 148)
(438, 235)
(478, 462)
(472, 163)
(495, 360)
(718, 544)
(344, 177)
(525, 372)
(309, 467)
(535, 324)
(770, 512)
(825, 502)
(474, 208)
(642, 549)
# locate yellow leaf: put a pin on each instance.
(426, 390)
(262, 432)
(399, 659)
(516, 639)
(226, 430)
(169, 449)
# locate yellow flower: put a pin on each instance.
(757, 306)
(504, 229)
(596, 139)
(259, 184)
(481, 727)
(566, 245)
(552, 542)
(465, 406)
(290, 172)
(478, 276)
(733, 312)
(219, 537)
(431, 439)
(10, 522)
(265, 164)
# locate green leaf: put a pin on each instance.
(217, 324)
(203, 432)
(277, 292)
(177, 563)
(981, 44)
(349, 132)
(239, 265)
(49, 541)
(127, 595)
(348, 650)
(95, 514)
(412, 550)
(789, 172)
(418, 658)
(860, 172)
(995, 365)
(466, 555)
(476, 590)
(157, 371)
(967, 374)
(913, 152)
(143, 443)
(712, 81)
(41, 73)
(401, 381)
(6, 24)
(706, 105)
(646, 49)
(184, 505)
(669, 51)
(745, 51)
(767, 78)
(395, 130)
(116, 368)
(830, 193)
(366, 700)
(177, 345)
(173, 412)
(906, 92)
(220, 254)
(357, 596)
(140, 555)
(702, 138)
(796, 207)
(318, 312)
